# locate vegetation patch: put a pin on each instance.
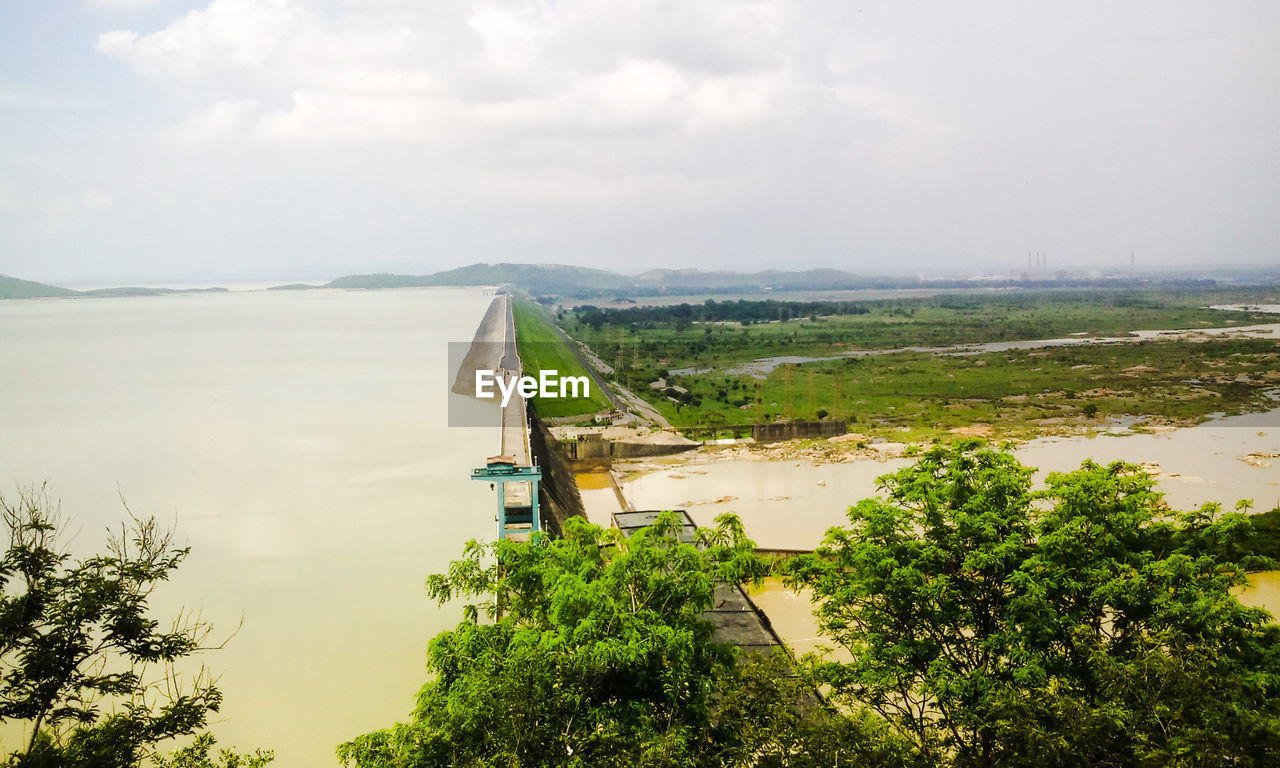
(543, 349)
(695, 364)
(1266, 537)
(982, 624)
(1085, 624)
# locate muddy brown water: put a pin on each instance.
(298, 441)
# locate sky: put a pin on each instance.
(305, 139)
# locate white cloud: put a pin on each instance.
(95, 199)
(120, 4)
(35, 100)
(512, 36)
(738, 100)
(842, 127)
(914, 136)
(471, 71)
(243, 35)
(10, 98)
(318, 116)
(118, 42)
(635, 94)
(579, 101)
(216, 121)
(8, 197)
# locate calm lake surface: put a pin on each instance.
(299, 443)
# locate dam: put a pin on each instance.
(537, 490)
(513, 472)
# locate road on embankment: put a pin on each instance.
(510, 355)
(618, 404)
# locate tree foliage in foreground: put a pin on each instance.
(197, 754)
(1083, 625)
(595, 654)
(83, 668)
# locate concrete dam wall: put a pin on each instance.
(592, 447)
(558, 492)
(796, 430)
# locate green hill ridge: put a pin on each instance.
(13, 288)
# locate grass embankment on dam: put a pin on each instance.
(917, 395)
(541, 348)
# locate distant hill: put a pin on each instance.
(585, 284)
(538, 279)
(293, 287)
(135, 291)
(581, 282)
(694, 280)
(13, 288)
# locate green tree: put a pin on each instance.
(196, 755)
(85, 669)
(590, 651)
(1083, 625)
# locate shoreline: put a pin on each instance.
(487, 347)
(788, 494)
(854, 447)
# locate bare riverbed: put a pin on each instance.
(790, 504)
(791, 612)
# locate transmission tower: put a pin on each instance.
(786, 391)
(812, 410)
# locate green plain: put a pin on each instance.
(916, 395)
(541, 348)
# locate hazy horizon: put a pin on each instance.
(249, 279)
(245, 279)
(305, 139)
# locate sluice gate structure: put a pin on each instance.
(512, 473)
(530, 475)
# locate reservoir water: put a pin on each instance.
(298, 442)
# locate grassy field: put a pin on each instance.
(541, 348)
(1022, 394)
(889, 324)
(916, 395)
